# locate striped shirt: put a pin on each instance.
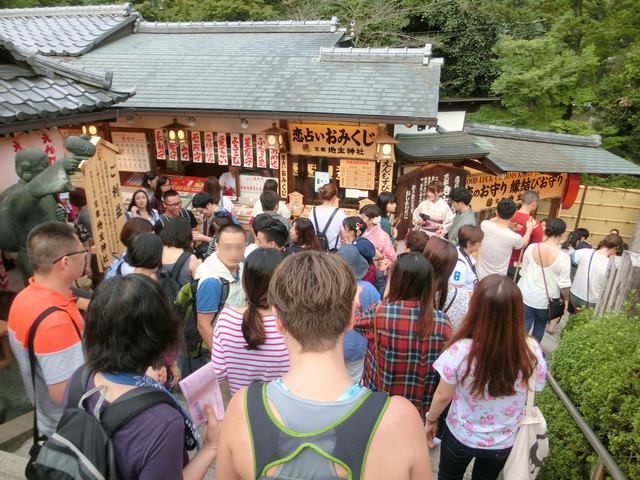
(240, 366)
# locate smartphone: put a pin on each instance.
(425, 217)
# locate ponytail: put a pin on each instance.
(253, 327)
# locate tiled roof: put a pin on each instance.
(62, 30)
(269, 67)
(264, 26)
(33, 87)
(280, 73)
(422, 148)
(520, 150)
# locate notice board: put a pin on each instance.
(102, 187)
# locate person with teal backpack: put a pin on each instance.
(314, 422)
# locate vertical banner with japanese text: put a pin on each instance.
(196, 147)
(223, 158)
(261, 152)
(385, 178)
(274, 158)
(102, 186)
(184, 151)
(208, 148)
(284, 179)
(173, 152)
(247, 150)
(160, 145)
(234, 139)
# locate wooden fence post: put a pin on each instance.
(622, 284)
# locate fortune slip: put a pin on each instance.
(200, 388)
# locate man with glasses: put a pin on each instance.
(58, 258)
(173, 209)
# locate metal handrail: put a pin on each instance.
(603, 454)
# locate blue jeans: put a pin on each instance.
(455, 458)
(538, 317)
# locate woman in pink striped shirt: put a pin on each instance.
(246, 343)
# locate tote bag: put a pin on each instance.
(532, 443)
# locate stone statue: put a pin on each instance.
(31, 201)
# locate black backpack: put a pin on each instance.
(169, 281)
(81, 447)
(186, 306)
(322, 235)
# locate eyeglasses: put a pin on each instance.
(178, 204)
(84, 252)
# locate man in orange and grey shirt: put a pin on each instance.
(58, 259)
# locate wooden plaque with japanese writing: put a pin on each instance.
(358, 174)
(411, 190)
(102, 186)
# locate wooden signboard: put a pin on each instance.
(134, 151)
(102, 186)
(412, 190)
(331, 140)
(488, 190)
(358, 174)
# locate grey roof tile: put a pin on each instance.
(418, 148)
(40, 97)
(523, 150)
(63, 30)
(241, 72)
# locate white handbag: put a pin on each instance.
(532, 442)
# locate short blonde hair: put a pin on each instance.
(313, 294)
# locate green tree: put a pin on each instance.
(206, 10)
(542, 78)
(464, 37)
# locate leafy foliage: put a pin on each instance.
(612, 181)
(598, 366)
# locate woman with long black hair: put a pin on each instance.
(405, 333)
(246, 343)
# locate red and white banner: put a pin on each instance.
(208, 148)
(247, 150)
(196, 147)
(223, 158)
(161, 148)
(274, 158)
(184, 152)
(234, 139)
(173, 152)
(261, 154)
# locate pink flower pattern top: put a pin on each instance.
(488, 422)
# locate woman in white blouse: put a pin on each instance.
(537, 289)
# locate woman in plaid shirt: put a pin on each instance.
(405, 334)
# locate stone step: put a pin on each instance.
(12, 466)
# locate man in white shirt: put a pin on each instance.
(499, 240)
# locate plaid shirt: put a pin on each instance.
(407, 360)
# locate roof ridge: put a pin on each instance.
(525, 134)
(379, 54)
(267, 26)
(48, 66)
(125, 9)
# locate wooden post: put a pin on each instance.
(584, 194)
(622, 284)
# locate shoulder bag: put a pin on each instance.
(532, 442)
(556, 305)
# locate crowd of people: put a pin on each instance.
(348, 352)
